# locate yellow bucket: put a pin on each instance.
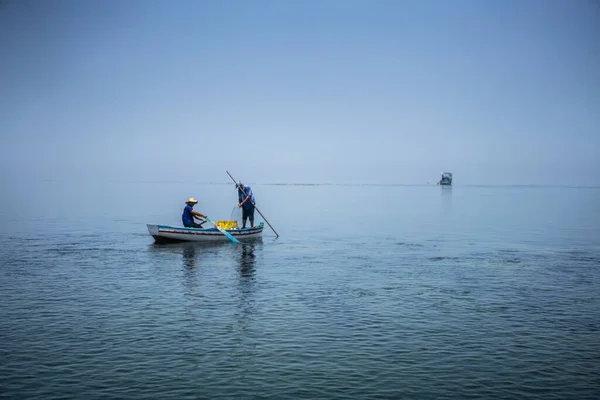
(226, 224)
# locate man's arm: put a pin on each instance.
(249, 196)
(244, 192)
(242, 203)
(198, 215)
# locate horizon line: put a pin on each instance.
(531, 185)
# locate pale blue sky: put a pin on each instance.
(503, 92)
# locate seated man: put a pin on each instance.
(189, 214)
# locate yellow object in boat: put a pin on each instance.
(226, 224)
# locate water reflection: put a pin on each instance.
(195, 257)
(189, 257)
(247, 262)
(246, 283)
(446, 197)
(190, 266)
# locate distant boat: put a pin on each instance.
(446, 179)
(170, 234)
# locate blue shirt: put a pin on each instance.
(187, 218)
(250, 203)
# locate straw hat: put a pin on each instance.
(192, 201)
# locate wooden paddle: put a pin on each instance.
(276, 234)
(223, 231)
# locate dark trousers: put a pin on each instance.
(248, 214)
(193, 225)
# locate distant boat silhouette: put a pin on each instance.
(446, 179)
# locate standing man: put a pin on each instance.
(246, 199)
(189, 214)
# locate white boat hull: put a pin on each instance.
(167, 234)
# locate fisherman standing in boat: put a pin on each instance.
(246, 199)
(189, 214)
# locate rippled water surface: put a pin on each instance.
(370, 292)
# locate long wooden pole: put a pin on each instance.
(261, 214)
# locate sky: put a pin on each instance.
(497, 92)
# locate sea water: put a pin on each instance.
(390, 291)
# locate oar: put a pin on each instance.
(223, 231)
(276, 234)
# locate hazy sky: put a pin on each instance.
(301, 91)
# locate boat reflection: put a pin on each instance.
(189, 257)
(247, 261)
(194, 255)
(246, 287)
(190, 265)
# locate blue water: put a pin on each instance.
(369, 292)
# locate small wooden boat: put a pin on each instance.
(171, 234)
